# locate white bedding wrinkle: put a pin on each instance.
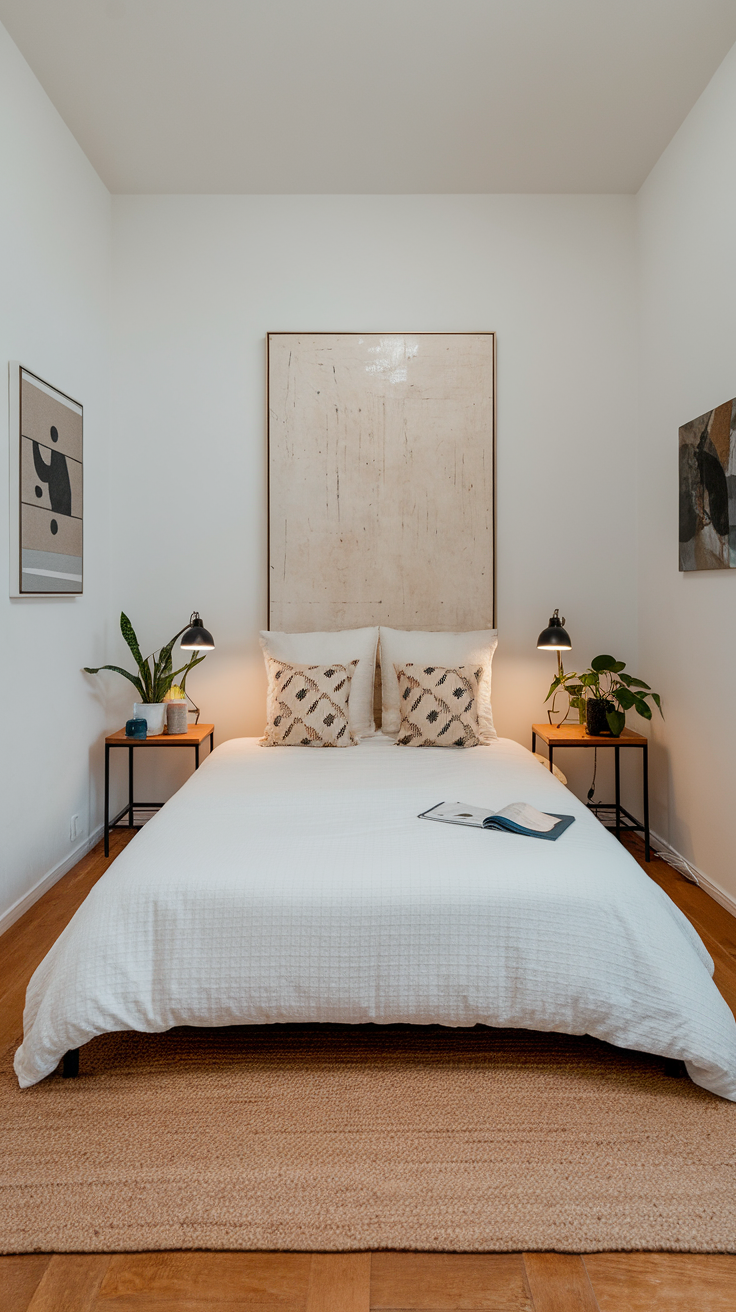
(300, 886)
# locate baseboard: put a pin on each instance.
(20, 907)
(718, 894)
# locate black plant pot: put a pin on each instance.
(596, 723)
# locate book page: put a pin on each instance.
(523, 814)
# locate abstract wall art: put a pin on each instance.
(45, 488)
(708, 490)
(381, 480)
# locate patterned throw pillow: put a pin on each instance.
(439, 707)
(308, 705)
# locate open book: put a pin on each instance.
(517, 818)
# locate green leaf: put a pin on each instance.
(128, 632)
(589, 680)
(643, 708)
(620, 665)
(655, 699)
(604, 664)
(624, 698)
(553, 686)
(616, 721)
(117, 670)
(639, 683)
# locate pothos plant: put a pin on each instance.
(606, 682)
(156, 675)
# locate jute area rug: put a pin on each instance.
(362, 1137)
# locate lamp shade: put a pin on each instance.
(555, 637)
(196, 637)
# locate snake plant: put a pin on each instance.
(156, 674)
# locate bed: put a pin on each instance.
(300, 885)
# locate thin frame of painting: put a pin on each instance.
(46, 492)
(707, 454)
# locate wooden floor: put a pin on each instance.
(352, 1282)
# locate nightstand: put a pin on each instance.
(194, 737)
(574, 735)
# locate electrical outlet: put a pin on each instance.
(74, 828)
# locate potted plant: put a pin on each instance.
(155, 678)
(603, 694)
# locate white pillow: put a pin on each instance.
(321, 648)
(452, 649)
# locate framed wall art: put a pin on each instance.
(381, 480)
(708, 490)
(46, 475)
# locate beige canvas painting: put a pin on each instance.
(46, 499)
(381, 480)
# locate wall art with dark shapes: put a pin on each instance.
(46, 488)
(708, 490)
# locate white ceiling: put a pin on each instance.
(373, 95)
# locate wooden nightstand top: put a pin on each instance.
(574, 735)
(196, 733)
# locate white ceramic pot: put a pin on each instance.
(154, 714)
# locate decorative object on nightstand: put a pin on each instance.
(603, 694)
(555, 638)
(176, 717)
(136, 728)
(156, 675)
(576, 735)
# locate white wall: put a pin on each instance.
(54, 293)
(687, 233)
(198, 281)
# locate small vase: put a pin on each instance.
(176, 717)
(154, 713)
(596, 724)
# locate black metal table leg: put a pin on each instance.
(212, 741)
(107, 799)
(616, 753)
(196, 756)
(130, 787)
(647, 854)
(534, 741)
(551, 770)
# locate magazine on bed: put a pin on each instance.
(517, 818)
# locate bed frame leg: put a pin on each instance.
(70, 1069)
(673, 1068)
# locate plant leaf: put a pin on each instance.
(643, 708)
(616, 721)
(128, 632)
(639, 683)
(624, 698)
(131, 677)
(620, 665)
(655, 699)
(553, 686)
(589, 680)
(604, 664)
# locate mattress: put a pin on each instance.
(295, 884)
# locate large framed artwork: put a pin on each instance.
(46, 527)
(708, 490)
(381, 480)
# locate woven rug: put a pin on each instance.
(362, 1137)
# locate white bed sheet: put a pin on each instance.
(295, 884)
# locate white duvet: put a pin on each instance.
(296, 884)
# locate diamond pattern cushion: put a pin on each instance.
(308, 705)
(439, 706)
